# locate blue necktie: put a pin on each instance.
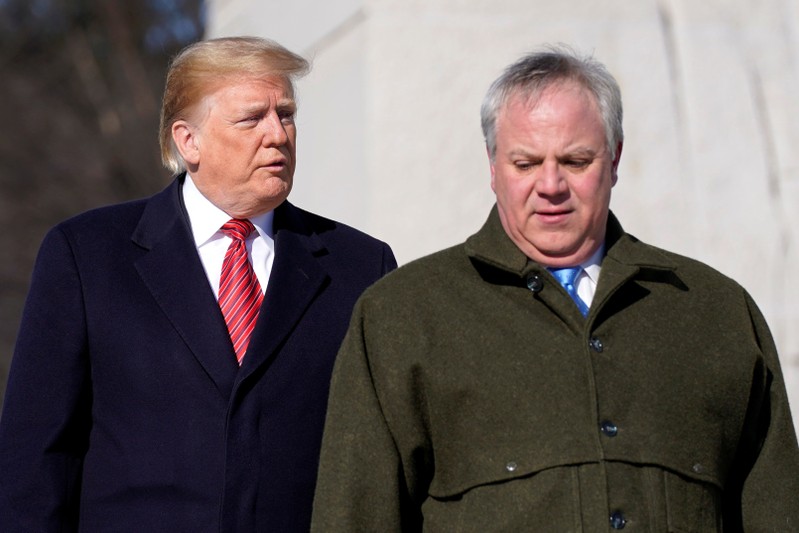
(566, 277)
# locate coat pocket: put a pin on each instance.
(692, 506)
(546, 500)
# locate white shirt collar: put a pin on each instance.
(592, 265)
(206, 218)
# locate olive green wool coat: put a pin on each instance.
(471, 395)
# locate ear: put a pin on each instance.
(491, 166)
(186, 139)
(615, 164)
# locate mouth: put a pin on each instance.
(278, 165)
(553, 216)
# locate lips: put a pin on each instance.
(553, 216)
(277, 164)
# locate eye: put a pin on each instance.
(286, 116)
(577, 164)
(524, 165)
(250, 119)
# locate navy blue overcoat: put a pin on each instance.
(125, 408)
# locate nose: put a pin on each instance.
(274, 133)
(551, 181)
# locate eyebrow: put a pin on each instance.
(286, 103)
(581, 152)
(577, 152)
(258, 107)
(520, 152)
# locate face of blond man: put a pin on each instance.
(240, 145)
(552, 174)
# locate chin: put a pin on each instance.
(271, 201)
(274, 186)
(560, 256)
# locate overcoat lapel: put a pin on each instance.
(297, 277)
(172, 271)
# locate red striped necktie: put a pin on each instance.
(240, 294)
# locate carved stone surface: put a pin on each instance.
(389, 134)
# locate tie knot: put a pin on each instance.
(566, 276)
(238, 229)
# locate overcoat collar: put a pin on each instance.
(626, 258)
(493, 246)
(173, 272)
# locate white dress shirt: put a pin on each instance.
(206, 219)
(588, 278)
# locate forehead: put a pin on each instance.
(252, 87)
(231, 94)
(562, 98)
(566, 111)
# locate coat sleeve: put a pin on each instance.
(46, 414)
(363, 485)
(768, 458)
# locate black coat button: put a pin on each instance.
(596, 345)
(609, 428)
(534, 283)
(617, 520)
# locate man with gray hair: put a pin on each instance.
(554, 373)
(173, 362)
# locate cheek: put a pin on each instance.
(507, 192)
(291, 149)
(521, 191)
(514, 192)
(593, 195)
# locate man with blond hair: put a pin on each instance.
(553, 373)
(172, 366)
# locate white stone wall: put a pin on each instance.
(389, 135)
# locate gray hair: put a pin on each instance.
(533, 73)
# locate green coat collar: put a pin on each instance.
(626, 257)
(492, 245)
